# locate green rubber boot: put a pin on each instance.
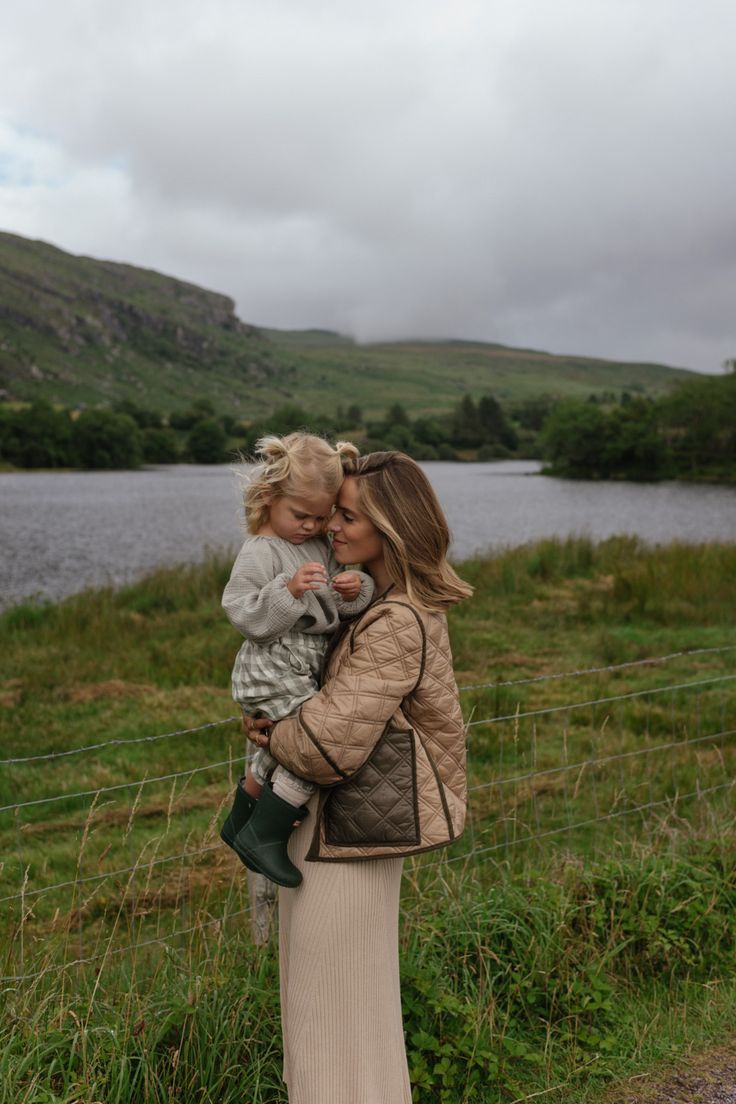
(239, 815)
(261, 844)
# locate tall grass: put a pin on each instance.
(581, 928)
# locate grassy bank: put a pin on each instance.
(581, 930)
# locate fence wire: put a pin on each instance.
(653, 660)
(476, 854)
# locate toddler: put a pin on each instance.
(285, 598)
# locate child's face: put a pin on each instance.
(298, 519)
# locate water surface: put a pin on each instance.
(61, 532)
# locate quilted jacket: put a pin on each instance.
(384, 737)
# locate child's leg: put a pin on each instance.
(260, 769)
(297, 791)
(250, 785)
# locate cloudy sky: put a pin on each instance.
(555, 175)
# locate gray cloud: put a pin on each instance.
(559, 177)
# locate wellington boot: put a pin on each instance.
(261, 845)
(239, 815)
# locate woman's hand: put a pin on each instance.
(257, 730)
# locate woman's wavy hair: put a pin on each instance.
(396, 496)
(299, 464)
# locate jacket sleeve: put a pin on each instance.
(257, 602)
(334, 732)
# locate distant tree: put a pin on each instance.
(144, 419)
(106, 440)
(429, 431)
(354, 415)
(200, 410)
(37, 437)
(446, 452)
(160, 446)
(206, 442)
(287, 419)
(699, 420)
(573, 438)
(400, 437)
(532, 413)
(634, 447)
(466, 429)
(494, 424)
(396, 415)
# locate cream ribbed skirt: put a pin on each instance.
(340, 998)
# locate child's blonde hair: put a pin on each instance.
(298, 464)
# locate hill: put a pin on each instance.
(77, 330)
(431, 376)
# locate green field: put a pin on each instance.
(581, 931)
(321, 370)
(75, 330)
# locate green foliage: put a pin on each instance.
(199, 411)
(160, 446)
(144, 419)
(573, 439)
(690, 433)
(206, 442)
(37, 437)
(103, 439)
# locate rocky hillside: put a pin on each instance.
(77, 330)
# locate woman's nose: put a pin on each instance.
(333, 525)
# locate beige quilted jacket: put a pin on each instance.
(384, 737)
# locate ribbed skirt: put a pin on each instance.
(340, 997)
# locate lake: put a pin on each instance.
(61, 532)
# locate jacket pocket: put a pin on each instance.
(378, 805)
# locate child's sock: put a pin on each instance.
(290, 788)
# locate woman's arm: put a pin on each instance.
(334, 733)
(257, 602)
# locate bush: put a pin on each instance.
(105, 440)
(160, 447)
(38, 437)
(206, 442)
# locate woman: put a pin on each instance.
(384, 740)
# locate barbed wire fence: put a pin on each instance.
(519, 799)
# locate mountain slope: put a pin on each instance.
(73, 329)
(77, 330)
(429, 376)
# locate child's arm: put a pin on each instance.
(353, 590)
(258, 603)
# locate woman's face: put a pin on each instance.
(355, 538)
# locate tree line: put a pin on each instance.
(689, 433)
(126, 435)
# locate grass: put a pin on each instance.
(431, 377)
(581, 931)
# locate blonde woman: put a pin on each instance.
(384, 741)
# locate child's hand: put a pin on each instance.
(347, 585)
(310, 576)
